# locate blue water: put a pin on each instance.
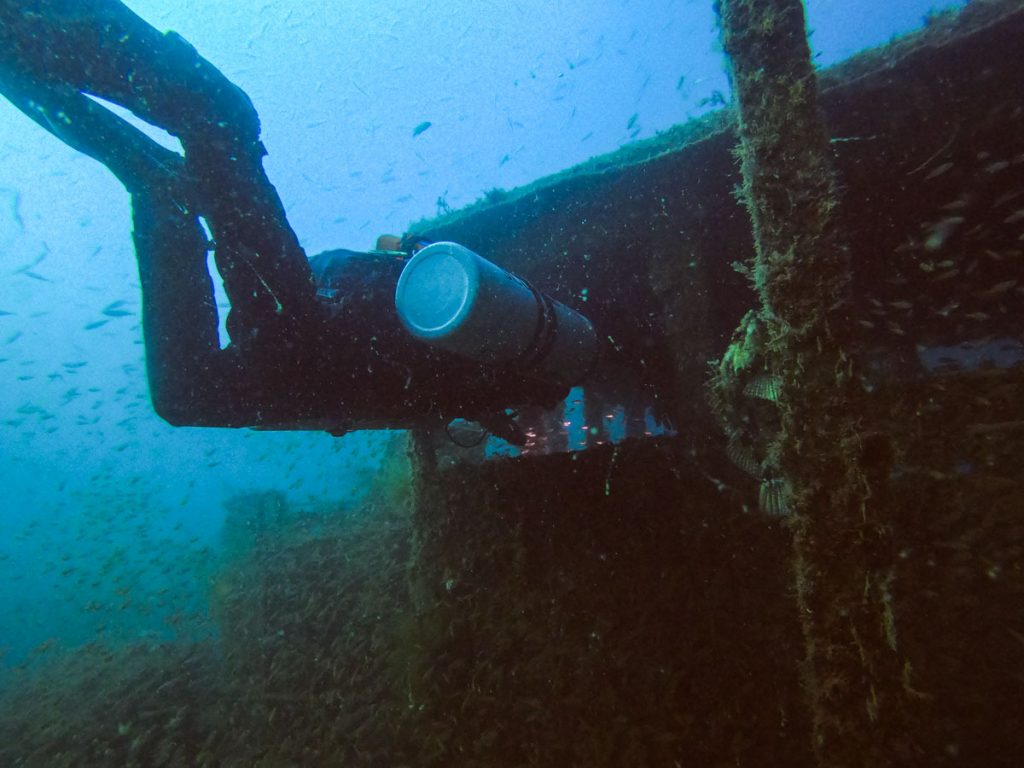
(108, 516)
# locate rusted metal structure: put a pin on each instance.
(873, 299)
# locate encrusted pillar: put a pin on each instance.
(842, 549)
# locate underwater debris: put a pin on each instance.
(495, 195)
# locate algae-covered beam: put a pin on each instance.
(787, 174)
(842, 552)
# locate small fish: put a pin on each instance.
(35, 276)
(998, 288)
(941, 232)
(95, 324)
(938, 171)
(1006, 197)
(421, 128)
(679, 84)
(114, 309)
(4, 313)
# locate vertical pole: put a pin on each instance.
(842, 548)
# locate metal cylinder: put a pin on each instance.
(451, 297)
